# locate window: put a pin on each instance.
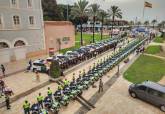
(13, 2)
(19, 43)
(16, 20)
(31, 20)
(3, 45)
(143, 88)
(153, 92)
(29, 3)
(161, 95)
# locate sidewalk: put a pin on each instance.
(160, 57)
(19, 66)
(23, 84)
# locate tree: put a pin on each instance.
(94, 11)
(131, 23)
(114, 12)
(154, 22)
(51, 11)
(80, 10)
(55, 70)
(146, 23)
(161, 24)
(139, 23)
(102, 15)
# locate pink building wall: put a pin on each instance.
(63, 30)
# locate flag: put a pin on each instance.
(147, 4)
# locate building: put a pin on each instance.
(117, 24)
(59, 35)
(21, 29)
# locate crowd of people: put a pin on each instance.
(40, 99)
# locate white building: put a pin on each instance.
(21, 29)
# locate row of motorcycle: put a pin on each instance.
(61, 97)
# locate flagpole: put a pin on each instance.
(143, 11)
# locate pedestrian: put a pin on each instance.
(73, 77)
(37, 76)
(30, 63)
(50, 93)
(60, 87)
(2, 86)
(66, 83)
(100, 86)
(40, 100)
(3, 69)
(26, 107)
(7, 100)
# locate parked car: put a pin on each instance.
(40, 65)
(73, 53)
(151, 92)
(63, 61)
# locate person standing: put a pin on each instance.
(37, 76)
(30, 64)
(2, 86)
(3, 69)
(40, 100)
(26, 107)
(7, 100)
(50, 93)
(100, 86)
(66, 83)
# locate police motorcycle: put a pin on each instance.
(89, 78)
(61, 98)
(35, 108)
(43, 111)
(55, 106)
(47, 102)
(75, 91)
(67, 92)
(94, 75)
(81, 81)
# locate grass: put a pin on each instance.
(153, 49)
(159, 40)
(145, 68)
(87, 38)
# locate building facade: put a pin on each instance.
(59, 35)
(21, 29)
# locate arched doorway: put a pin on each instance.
(19, 43)
(4, 51)
(4, 45)
(20, 49)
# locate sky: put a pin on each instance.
(132, 9)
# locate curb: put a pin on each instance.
(15, 98)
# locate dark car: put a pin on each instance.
(151, 92)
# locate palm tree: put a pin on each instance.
(131, 23)
(102, 15)
(161, 24)
(114, 12)
(146, 23)
(80, 10)
(154, 22)
(139, 23)
(94, 11)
